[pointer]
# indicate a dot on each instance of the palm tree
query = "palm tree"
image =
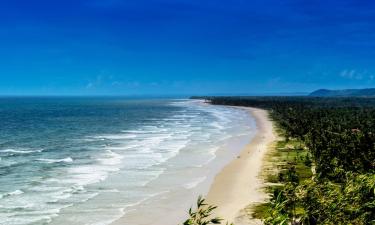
(202, 215)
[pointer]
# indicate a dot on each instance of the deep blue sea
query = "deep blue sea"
(92, 160)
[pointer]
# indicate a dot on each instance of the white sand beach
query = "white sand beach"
(238, 184)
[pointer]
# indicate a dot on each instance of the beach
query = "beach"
(232, 184)
(171, 207)
(238, 184)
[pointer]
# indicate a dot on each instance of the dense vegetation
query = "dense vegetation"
(344, 92)
(338, 135)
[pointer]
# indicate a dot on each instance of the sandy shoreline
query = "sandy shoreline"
(238, 184)
(232, 187)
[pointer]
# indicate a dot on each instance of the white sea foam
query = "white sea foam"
(115, 136)
(122, 147)
(16, 192)
(44, 188)
(89, 174)
(86, 174)
(20, 150)
(111, 158)
(64, 160)
(144, 131)
(184, 116)
(194, 183)
(217, 125)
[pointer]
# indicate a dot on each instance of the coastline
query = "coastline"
(238, 184)
(176, 201)
(233, 185)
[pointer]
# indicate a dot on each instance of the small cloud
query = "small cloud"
(347, 73)
(352, 74)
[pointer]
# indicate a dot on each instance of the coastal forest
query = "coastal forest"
(328, 154)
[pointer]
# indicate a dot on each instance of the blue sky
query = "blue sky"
(143, 47)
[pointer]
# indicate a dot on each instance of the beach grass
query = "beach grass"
(282, 155)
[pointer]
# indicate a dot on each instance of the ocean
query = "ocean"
(95, 160)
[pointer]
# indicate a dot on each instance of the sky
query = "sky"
(183, 47)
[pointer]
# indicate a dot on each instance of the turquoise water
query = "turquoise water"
(86, 160)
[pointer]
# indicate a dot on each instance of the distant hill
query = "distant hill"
(368, 92)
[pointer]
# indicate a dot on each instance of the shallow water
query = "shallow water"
(93, 160)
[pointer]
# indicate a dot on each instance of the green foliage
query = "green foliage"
(339, 132)
(291, 175)
(202, 215)
(351, 202)
(278, 214)
(261, 210)
(339, 135)
(307, 161)
(313, 202)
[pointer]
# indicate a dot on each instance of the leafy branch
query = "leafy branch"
(203, 214)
